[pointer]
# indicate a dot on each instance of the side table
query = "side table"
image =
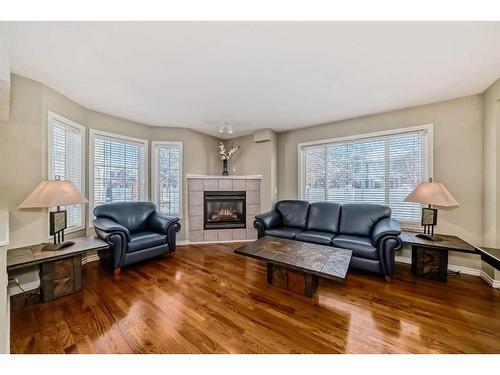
(429, 259)
(60, 270)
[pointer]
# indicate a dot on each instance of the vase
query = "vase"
(224, 168)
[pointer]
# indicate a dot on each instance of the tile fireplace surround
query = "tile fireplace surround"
(198, 184)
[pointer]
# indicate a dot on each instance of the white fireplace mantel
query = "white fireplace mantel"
(231, 177)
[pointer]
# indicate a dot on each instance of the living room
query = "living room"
(249, 187)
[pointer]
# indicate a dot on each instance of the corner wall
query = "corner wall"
(458, 158)
(23, 151)
(258, 158)
(491, 163)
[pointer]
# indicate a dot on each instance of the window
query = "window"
(167, 176)
(66, 150)
(378, 168)
(118, 168)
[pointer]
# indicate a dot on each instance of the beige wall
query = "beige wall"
(23, 150)
(457, 158)
(491, 163)
(22, 160)
(258, 158)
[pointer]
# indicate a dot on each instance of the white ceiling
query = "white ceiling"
(254, 75)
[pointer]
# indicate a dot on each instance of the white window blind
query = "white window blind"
(376, 169)
(118, 169)
(66, 160)
(167, 159)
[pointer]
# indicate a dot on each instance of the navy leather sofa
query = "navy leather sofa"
(366, 229)
(136, 231)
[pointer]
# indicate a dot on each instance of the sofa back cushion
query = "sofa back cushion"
(324, 217)
(358, 219)
(132, 215)
(293, 213)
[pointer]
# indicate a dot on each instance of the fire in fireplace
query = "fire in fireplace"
(224, 209)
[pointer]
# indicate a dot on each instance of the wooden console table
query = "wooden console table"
(61, 270)
(429, 259)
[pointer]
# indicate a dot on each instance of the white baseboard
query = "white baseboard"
(402, 259)
(90, 258)
(489, 280)
(465, 270)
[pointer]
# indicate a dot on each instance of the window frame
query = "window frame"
(92, 134)
(429, 140)
(154, 173)
(51, 116)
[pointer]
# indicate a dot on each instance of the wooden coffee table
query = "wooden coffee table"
(297, 266)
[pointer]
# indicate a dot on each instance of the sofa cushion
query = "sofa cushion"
(324, 217)
(361, 246)
(314, 236)
(132, 215)
(283, 232)
(144, 240)
(293, 213)
(359, 219)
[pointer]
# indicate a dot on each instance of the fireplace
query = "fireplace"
(224, 209)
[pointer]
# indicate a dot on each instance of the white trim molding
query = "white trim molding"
(465, 270)
(154, 172)
(428, 146)
(144, 142)
(51, 116)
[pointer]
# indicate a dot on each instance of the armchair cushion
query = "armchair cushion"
(293, 213)
(283, 232)
(145, 240)
(361, 246)
(385, 227)
(314, 236)
(132, 215)
(110, 226)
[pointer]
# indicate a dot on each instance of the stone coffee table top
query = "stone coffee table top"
(324, 261)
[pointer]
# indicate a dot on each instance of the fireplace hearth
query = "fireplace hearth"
(224, 209)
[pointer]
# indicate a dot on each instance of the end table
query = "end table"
(429, 259)
(60, 270)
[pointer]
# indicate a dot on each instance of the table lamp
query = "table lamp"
(55, 193)
(432, 194)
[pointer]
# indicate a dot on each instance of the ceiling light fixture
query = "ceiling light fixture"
(226, 128)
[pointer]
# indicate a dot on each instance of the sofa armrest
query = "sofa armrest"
(271, 219)
(107, 227)
(268, 220)
(160, 223)
(385, 227)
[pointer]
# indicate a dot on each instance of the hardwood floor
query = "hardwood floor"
(205, 299)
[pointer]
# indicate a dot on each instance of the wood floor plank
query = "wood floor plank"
(206, 299)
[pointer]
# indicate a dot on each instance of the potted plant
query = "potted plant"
(225, 155)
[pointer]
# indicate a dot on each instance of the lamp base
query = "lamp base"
(429, 237)
(57, 246)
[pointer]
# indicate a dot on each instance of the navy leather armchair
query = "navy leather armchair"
(136, 232)
(366, 229)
